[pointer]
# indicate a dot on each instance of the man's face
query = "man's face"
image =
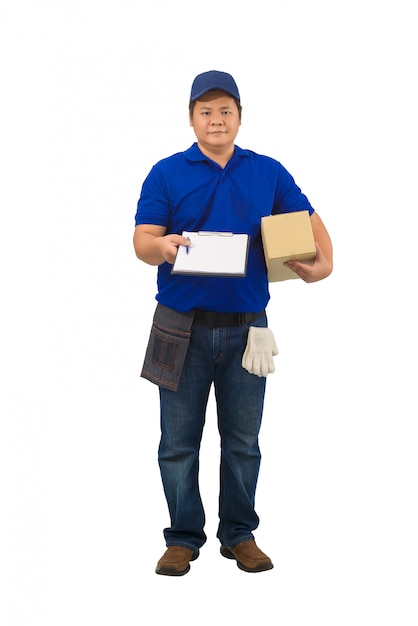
(215, 120)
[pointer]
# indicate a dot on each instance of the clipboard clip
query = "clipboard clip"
(209, 233)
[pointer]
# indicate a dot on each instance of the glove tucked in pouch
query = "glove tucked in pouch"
(259, 352)
(167, 347)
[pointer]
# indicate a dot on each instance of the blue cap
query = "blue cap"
(214, 80)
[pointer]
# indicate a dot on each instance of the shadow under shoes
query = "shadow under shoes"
(176, 561)
(248, 556)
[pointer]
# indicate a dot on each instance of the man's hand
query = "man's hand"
(321, 267)
(153, 246)
(168, 246)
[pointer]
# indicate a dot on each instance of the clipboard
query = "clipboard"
(212, 253)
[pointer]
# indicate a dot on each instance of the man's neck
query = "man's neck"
(220, 157)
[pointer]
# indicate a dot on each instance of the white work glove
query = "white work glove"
(259, 352)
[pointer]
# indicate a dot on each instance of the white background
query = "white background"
(93, 94)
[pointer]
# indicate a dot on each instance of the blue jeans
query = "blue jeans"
(214, 357)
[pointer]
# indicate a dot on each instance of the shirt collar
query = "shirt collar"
(194, 153)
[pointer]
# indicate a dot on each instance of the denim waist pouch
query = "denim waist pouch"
(167, 347)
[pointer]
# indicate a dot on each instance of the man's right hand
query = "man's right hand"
(154, 247)
(169, 244)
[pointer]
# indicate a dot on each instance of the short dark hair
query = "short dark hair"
(192, 105)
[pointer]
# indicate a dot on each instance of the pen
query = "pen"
(187, 247)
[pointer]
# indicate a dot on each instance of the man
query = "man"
(212, 330)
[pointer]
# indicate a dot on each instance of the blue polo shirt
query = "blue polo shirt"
(189, 191)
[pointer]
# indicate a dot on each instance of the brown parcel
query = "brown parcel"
(287, 236)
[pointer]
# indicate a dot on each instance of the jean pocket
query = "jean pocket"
(260, 322)
(167, 348)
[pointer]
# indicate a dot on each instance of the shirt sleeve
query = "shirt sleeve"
(289, 196)
(153, 204)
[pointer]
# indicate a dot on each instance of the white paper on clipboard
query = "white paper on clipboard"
(213, 253)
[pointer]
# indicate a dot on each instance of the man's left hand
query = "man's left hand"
(321, 267)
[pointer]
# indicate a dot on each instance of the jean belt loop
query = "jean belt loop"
(210, 319)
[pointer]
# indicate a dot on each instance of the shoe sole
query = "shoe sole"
(262, 567)
(172, 571)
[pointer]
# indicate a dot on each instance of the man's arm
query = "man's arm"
(323, 264)
(154, 247)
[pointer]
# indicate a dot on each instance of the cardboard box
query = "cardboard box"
(287, 236)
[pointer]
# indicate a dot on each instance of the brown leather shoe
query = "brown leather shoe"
(176, 561)
(248, 556)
